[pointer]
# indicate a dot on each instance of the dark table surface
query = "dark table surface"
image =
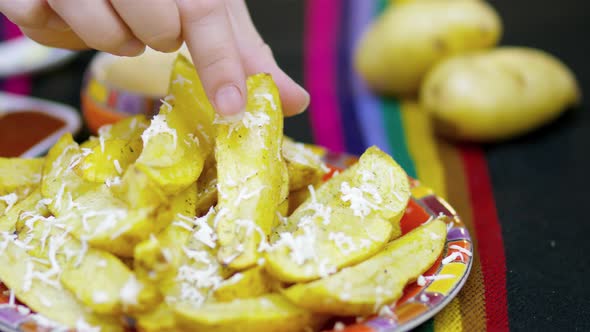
(540, 181)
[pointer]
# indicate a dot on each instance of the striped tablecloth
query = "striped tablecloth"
(346, 117)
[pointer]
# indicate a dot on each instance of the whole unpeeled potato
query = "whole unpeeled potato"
(494, 95)
(408, 38)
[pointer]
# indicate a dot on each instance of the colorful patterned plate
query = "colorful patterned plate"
(418, 303)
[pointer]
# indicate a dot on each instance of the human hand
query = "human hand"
(219, 34)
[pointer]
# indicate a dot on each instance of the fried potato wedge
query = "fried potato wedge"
(305, 166)
(349, 218)
(91, 211)
(109, 159)
(251, 174)
(114, 288)
(21, 274)
(269, 313)
(247, 284)
(18, 173)
(296, 198)
(29, 204)
(380, 280)
(159, 256)
(127, 129)
(161, 319)
(207, 190)
(179, 139)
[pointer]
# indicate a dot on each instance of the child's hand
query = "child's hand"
(220, 36)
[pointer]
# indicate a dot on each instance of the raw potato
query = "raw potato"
(496, 95)
(378, 281)
(408, 39)
(349, 218)
(251, 174)
(269, 313)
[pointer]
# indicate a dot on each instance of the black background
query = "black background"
(540, 181)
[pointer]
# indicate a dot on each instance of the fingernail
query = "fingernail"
(228, 100)
(57, 24)
(132, 48)
(305, 104)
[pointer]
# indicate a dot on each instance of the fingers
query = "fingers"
(257, 57)
(34, 14)
(155, 22)
(208, 34)
(97, 23)
(61, 39)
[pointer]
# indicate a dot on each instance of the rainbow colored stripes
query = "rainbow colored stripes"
(347, 117)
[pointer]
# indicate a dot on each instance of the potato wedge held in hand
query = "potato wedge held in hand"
(179, 138)
(251, 174)
(496, 95)
(269, 313)
(18, 173)
(380, 280)
(349, 218)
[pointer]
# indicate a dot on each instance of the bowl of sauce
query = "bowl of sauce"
(116, 87)
(30, 126)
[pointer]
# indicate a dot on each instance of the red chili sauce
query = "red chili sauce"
(19, 131)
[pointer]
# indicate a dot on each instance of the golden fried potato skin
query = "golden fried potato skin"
(408, 39)
(498, 94)
(251, 173)
(332, 229)
(271, 313)
(354, 290)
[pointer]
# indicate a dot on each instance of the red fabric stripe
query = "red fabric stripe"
(489, 235)
(322, 19)
(20, 84)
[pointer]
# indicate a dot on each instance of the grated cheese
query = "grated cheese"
(269, 98)
(181, 80)
(461, 249)
(10, 200)
(301, 246)
(130, 291)
(197, 255)
(104, 133)
(386, 312)
(99, 297)
(421, 281)
(344, 242)
(360, 205)
(118, 166)
(82, 325)
(158, 126)
(322, 211)
(450, 258)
